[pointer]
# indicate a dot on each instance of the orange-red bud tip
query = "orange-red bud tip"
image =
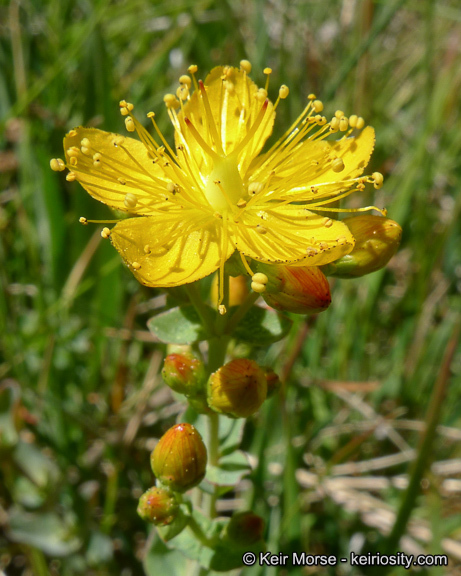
(298, 289)
(158, 506)
(273, 381)
(179, 459)
(237, 389)
(184, 373)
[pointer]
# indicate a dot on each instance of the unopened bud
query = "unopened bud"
(376, 241)
(179, 459)
(158, 506)
(298, 289)
(184, 373)
(245, 528)
(273, 381)
(237, 389)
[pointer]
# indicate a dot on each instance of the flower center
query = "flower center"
(224, 186)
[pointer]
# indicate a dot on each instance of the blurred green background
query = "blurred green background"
(81, 400)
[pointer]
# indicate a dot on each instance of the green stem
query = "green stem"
(202, 309)
(424, 450)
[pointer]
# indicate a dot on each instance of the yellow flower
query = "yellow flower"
(216, 192)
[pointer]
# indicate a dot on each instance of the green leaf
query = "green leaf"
(163, 560)
(232, 468)
(47, 532)
(9, 401)
(230, 434)
(262, 326)
(180, 325)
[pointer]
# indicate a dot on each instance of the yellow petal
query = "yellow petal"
(309, 166)
(116, 170)
(233, 111)
(291, 235)
(170, 251)
(355, 153)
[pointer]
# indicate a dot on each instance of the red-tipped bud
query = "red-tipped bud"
(237, 389)
(273, 381)
(179, 459)
(158, 506)
(184, 374)
(245, 528)
(376, 241)
(298, 289)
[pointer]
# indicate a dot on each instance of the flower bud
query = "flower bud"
(376, 241)
(179, 459)
(273, 381)
(184, 373)
(298, 289)
(158, 506)
(237, 389)
(245, 528)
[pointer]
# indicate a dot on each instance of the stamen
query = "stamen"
(105, 233)
(210, 120)
(245, 264)
(57, 165)
(258, 282)
(252, 130)
(200, 141)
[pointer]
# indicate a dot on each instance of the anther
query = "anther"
(85, 143)
(171, 187)
(182, 92)
(136, 265)
(341, 240)
(317, 105)
(105, 233)
(118, 140)
(245, 65)
(229, 86)
(192, 69)
(323, 245)
(353, 120)
(129, 124)
(377, 180)
(73, 161)
(72, 133)
(267, 71)
(171, 101)
(283, 91)
(311, 251)
(343, 124)
(186, 80)
(337, 165)
(261, 95)
(57, 165)
(327, 222)
(260, 229)
(73, 152)
(360, 123)
(255, 188)
(334, 124)
(121, 181)
(83, 220)
(339, 114)
(311, 97)
(130, 200)
(222, 309)
(147, 249)
(71, 177)
(241, 203)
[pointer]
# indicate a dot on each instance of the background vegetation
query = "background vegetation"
(81, 400)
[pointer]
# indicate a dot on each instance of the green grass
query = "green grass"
(80, 397)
